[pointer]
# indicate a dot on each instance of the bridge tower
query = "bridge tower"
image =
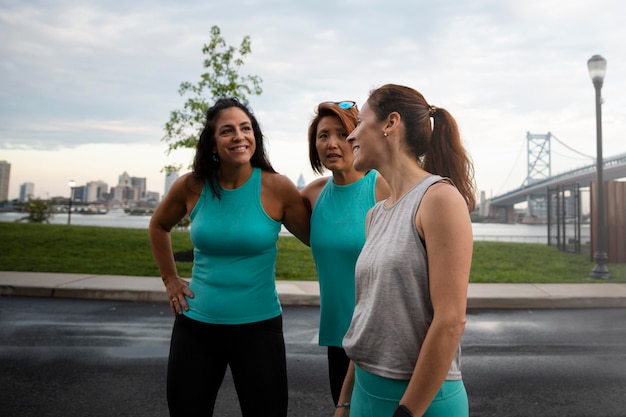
(539, 160)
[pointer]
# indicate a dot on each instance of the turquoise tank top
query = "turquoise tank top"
(233, 276)
(337, 236)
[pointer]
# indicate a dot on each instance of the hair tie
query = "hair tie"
(432, 111)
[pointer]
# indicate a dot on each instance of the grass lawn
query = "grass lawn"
(119, 251)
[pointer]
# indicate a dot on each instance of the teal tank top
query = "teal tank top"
(233, 276)
(337, 236)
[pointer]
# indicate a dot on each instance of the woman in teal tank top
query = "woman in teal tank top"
(339, 204)
(229, 315)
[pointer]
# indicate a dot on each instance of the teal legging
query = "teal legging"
(375, 396)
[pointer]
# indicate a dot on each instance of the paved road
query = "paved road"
(71, 357)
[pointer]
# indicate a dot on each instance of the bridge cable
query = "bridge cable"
(571, 149)
(519, 153)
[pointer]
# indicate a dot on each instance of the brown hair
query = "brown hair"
(348, 118)
(436, 147)
(205, 167)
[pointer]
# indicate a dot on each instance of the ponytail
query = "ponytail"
(439, 147)
(447, 157)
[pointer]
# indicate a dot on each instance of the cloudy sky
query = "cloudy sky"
(87, 85)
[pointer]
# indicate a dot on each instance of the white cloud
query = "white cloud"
(102, 76)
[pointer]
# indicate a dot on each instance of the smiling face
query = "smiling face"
(234, 137)
(366, 140)
(330, 142)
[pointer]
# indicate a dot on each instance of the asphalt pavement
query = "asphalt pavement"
(480, 296)
(63, 357)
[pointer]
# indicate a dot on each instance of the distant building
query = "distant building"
(170, 177)
(140, 185)
(483, 206)
(129, 188)
(79, 193)
(95, 191)
(152, 196)
(5, 174)
(301, 182)
(27, 191)
(124, 180)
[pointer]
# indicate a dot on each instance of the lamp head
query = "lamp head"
(597, 69)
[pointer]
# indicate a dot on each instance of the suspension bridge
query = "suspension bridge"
(539, 179)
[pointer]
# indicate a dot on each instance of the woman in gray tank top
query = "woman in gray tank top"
(413, 272)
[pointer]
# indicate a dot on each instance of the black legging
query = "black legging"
(338, 363)
(200, 353)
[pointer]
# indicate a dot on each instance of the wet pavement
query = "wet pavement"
(77, 357)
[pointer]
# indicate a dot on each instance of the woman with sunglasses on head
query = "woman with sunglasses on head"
(339, 204)
(229, 315)
(413, 272)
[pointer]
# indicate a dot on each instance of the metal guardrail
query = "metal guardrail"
(511, 238)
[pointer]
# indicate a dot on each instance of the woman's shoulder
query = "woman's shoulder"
(187, 183)
(316, 185)
(442, 194)
(276, 182)
(312, 190)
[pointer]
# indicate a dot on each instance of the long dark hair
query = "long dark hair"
(347, 117)
(436, 147)
(205, 166)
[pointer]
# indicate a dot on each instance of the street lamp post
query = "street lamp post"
(72, 184)
(597, 69)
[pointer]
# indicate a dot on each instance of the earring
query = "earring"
(216, 158)
(385, 134)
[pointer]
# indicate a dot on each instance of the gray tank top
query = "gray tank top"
(393, 309)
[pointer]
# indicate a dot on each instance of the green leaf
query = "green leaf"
(221, 78)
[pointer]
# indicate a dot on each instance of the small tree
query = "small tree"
(183, 224)
(221, 79)
(39, 211)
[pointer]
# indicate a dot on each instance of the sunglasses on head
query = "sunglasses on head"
(346, 104)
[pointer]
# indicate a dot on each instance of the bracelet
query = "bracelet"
(343, 405)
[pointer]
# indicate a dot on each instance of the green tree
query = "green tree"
(221, 79)
(39, 211)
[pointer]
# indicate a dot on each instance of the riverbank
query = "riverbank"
(491, 232)
(117, 251)
(113, 218)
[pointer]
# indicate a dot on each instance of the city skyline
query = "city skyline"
(168, 179)
(27, 189)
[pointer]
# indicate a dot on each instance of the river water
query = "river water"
(525, 233)
(114, 218)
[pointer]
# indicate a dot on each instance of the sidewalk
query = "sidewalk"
(487, 296)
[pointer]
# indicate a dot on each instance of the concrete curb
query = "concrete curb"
(150, 289)
(535, 296)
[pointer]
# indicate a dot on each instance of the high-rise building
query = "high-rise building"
(170, 177)
(129, 188)
(301, 183)
(79, 193)
(27, 191)
(123, 180)
(95, 191)
(5, 174)
(140, 185)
